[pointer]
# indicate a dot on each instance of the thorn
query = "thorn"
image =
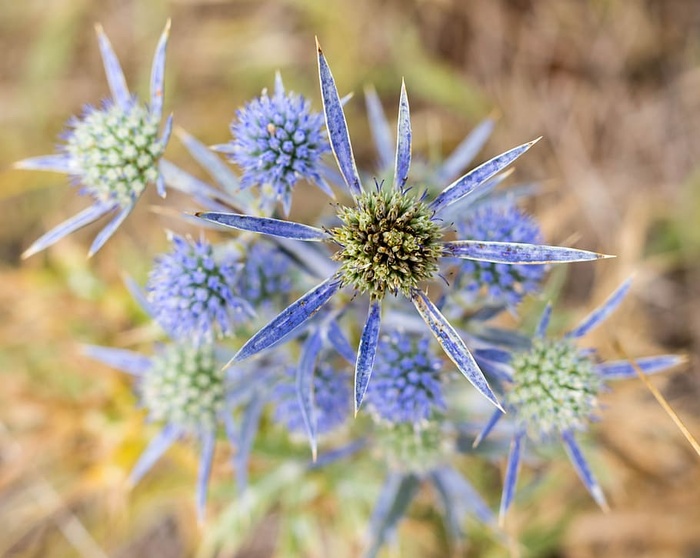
(166, 30)
(99, 29)
(318, 45)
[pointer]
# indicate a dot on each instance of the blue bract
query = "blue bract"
(389, 242)
(113, 152)
(278, 140)
(502, 283)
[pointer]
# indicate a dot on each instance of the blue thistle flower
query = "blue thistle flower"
(406, 384)
(390, 241)
(554, 392)
(503, 283)
(278, 140)
(265, 277)
(113, 152)
(192, 294)
(331, 392)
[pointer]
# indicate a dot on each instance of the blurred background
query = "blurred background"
(612, 86)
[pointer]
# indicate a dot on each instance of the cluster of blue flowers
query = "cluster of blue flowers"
(376, 255)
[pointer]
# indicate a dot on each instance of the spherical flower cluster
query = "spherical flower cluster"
(331, 389)
(388, 241)
(185, 387)
(265, 276)
(407, 447)
(192, 295)
(555, 387)
(405, 383)
(503, 283)
(115, 151)
(278, 140)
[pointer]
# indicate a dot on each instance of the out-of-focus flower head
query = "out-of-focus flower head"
(112, 153)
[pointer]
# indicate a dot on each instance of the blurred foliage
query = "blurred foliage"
(611, 84)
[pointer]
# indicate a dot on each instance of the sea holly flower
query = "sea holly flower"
(112, 152)
(554, 393)
(502, 283)
(278, 140)
(389, 242)
(266, 276)
(184, 387)
(192, 293)
(331, 390)
(406, 384)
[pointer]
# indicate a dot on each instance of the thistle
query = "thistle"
(501, 283)
(278, 140)
(554, 392)
(407, 387)
(390, 242)
(112, 152)
(192, 294)
(183, 387)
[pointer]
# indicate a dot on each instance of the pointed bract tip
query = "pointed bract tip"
(599, 497)
(318, 45)
(501, 520)
(604, 256)
(166, 29)
(99, 29)
(495, 114)
(314, 454)
(476, 442)
(533, 142)
(28, 253)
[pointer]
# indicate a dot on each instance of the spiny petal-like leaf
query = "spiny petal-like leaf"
(156, 448)
(305, 387)
(517, 253)
(206, 457)
(403, 141)
(337, 126)
(583, 469)
(475, 178)
(265, 225)
(465, 152)
(620, 369)
(216, 168)
(367, 352)
(397, 493)
(380, 129)
(51, 163)
(340, 342)
(158, 73)
(290, 318)
(82, 219)
(493, 420)
(452, 344)
(544, 321)
(184, 182)
(105, 234)
(250, 422)
(600, 314)
(113, 70)
(127, 361)
(512, 470)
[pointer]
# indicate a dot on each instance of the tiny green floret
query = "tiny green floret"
(185, 387)
(388, 242)
(555, 387)
(116, 151)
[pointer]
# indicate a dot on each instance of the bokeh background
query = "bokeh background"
(612, 85)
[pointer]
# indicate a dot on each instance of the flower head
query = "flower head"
(278, 140)
(390, 241)
(265, 277)
(113, 153)
(503, 283)
(554, 391)
(185, 387)
(192, 294)
(406, 385)
(331, 391)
